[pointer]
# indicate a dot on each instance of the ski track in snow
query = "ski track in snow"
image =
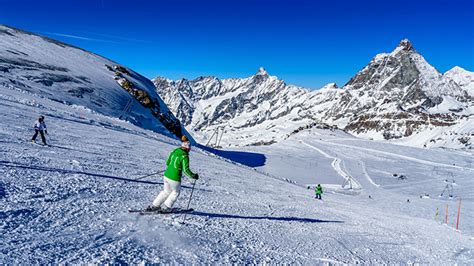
(336, 165)
(364, 170)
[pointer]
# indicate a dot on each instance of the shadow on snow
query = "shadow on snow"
(3, 194)
(246, 158)
(64, 171)
(71, 149)
(271, 218)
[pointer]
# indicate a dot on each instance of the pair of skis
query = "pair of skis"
(36, 143)
(172, 211)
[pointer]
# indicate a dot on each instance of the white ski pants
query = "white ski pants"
(169, 194)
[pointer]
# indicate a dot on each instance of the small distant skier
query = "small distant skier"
(177, 163)
(40, 127)
(318, 191)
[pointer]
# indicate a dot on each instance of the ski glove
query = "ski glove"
(46, 132)
(196, 176)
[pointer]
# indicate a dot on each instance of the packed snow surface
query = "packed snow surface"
(67, 203)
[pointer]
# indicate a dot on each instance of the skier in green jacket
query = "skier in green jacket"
(177, 163)
(318, 191)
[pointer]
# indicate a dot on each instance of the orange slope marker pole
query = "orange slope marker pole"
(459, 213)
(446, 219)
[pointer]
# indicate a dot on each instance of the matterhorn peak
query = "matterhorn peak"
(406, 45)
(261, 72)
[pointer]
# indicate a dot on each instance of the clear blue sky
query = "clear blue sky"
(307, 43)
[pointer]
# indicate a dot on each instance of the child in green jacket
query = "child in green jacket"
(318, 191)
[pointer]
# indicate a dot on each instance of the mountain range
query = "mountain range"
(397, 96)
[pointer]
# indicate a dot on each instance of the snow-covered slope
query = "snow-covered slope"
(57, 71)
(397, 95)
(67, 203)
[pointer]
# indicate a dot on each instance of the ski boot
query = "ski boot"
(153, 208)
(166, 210)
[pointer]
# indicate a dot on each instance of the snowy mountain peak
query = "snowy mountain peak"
(261, 72)
(458, 70)
(460, 75)
(463, 78)
(406, 45)
(330, 86)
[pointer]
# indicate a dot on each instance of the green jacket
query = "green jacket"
(178, 161)
(319, 190)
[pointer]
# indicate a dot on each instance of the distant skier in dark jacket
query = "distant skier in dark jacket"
(40, 127)
(318, 191)
(177, 163)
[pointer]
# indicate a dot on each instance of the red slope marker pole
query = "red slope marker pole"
(459, 213)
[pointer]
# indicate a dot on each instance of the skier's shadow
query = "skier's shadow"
(271, 218)
(3, 194)
(71, 149)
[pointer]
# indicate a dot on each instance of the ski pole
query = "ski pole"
(189, 202)
(141, 177)
(49, 138)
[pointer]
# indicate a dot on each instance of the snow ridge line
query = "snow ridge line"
(336, 164)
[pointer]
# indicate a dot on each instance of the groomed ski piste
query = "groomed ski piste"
(68, 202)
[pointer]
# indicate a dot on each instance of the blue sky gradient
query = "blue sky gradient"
(307, 43)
